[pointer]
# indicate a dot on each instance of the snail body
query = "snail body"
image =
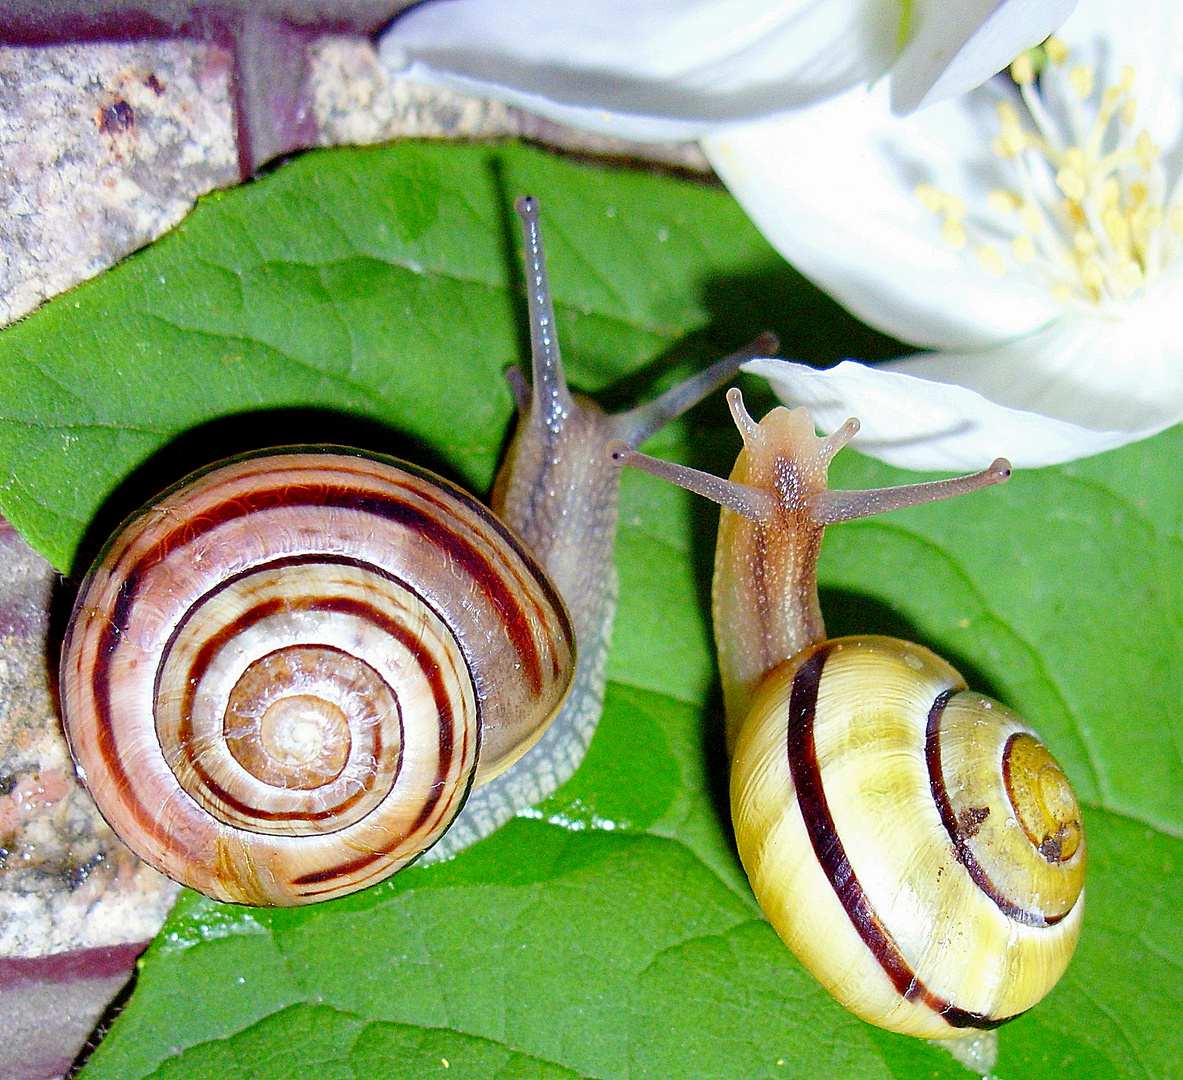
(913, 843)
(283, 679)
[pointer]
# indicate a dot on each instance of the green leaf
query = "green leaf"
(372, 297)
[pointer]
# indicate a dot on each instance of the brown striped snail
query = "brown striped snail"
(912, 842)
(281, 679)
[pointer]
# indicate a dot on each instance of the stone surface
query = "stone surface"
(76, 906)
(66, 882)
(48, 21)
(103, 148)
(355, 101)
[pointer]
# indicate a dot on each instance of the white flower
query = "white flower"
(676, 69)
(1031, 231)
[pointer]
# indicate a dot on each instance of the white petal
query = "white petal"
(833, 189)
(916, 424)
(646, 68)
(1119, 371)
(955, 47)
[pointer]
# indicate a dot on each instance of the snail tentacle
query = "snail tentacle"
(551, 401)
(636, 425)
(831, 507)
(741, 499)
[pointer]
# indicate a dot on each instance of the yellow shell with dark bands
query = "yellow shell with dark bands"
(912, 842)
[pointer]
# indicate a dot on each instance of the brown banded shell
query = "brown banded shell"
(281, 679)
(912, 842)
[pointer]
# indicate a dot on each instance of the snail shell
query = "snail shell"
(913, 843)
(279, 677)
(281, 681)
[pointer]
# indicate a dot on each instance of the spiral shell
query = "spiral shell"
(282, 678)
(912, 842)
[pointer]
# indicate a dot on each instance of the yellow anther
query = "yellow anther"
(1110, 193)
(1128, 277)
(1003, 201)
(1007, 114)
(931, 198)
(1109, 103)
(1081, 80)
(1023, 249)
(1117, 228)
(1136, 193)
(1057, 51)
(1061, 294)
(936, 201)
(1143, 222)
(1129, 112)
(1073, 213)
(1176, 220)
(1029, 218)
(1084, 243)
(1147, 217)
(1146, 149)
(953, 233)
(1127, 79)
(1012, 140)
(1071, 183)
(1092, 276)
(1023, 70)
(991, 261)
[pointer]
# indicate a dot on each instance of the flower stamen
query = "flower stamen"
(1088, 206)
(1057, 50)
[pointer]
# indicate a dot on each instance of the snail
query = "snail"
(913, 842)
(282, 678)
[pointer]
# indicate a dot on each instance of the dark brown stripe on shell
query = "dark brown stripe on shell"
(361, 500)
(827, 846)
(331, 876)
(344, 605)
(108, 644)
(958, 832)
(494, 523)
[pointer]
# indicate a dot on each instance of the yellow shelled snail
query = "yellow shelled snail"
(914, 843)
